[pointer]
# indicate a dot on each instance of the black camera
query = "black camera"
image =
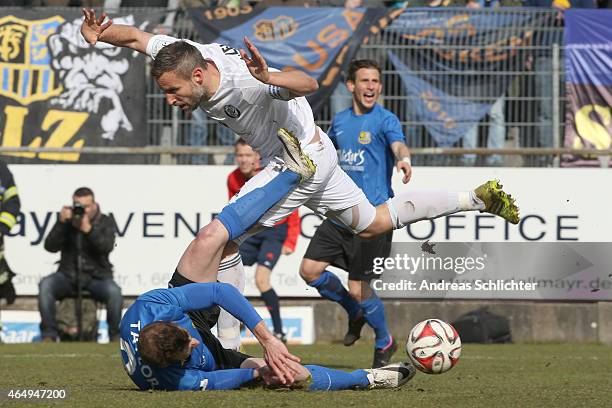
(77, 211)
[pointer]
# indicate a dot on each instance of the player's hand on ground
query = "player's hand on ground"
(405, 168)
(268, 377)
(284, 364)
(256, 63)
(92, 28)
(286, 250)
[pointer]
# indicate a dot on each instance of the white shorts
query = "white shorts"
(329, 190)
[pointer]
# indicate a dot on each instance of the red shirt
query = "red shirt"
(236, 180)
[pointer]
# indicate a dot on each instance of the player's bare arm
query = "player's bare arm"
(402, 155)
(284, 364)
(295, 81)
(94, 29)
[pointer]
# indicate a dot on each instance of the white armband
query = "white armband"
(407, 160)
(276, 92)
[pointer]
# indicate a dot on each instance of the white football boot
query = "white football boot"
(390, 376)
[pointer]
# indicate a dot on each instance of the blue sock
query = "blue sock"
(374, 312)
(330, 287)
(242, 214)
(327, 379)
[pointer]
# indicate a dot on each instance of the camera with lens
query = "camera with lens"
(77, 211)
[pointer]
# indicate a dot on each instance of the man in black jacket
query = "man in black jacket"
(9, 210)
(81, 229)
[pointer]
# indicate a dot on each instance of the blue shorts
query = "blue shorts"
(264, 248)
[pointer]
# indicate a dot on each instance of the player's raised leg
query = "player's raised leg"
(415, 205)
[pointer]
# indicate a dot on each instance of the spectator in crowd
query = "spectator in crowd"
(341, 98)
(264, 248)
(84, 237)
(497, 129)
(543, 69)
(496, 136)
(9, 210)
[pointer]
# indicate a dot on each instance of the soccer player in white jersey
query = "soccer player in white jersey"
(239, 91)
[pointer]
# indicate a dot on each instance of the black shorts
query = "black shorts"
(264, 248)
(202, 320)
(341, 248)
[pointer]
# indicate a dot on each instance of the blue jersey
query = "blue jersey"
(199, 372)
(364, 149)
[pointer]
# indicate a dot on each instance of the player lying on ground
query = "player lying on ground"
(161, 349)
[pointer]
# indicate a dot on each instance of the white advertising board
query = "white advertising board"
(158, 209)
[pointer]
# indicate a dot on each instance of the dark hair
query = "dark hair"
(356, 65)
(83, 192)
(178, 56)
(162, 343)
(240, 142)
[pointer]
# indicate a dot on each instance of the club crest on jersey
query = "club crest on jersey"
(365, 137)
(231, 111)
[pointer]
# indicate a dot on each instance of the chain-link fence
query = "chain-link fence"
(522, 93)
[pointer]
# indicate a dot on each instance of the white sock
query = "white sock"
(468, 201)
(231, 271)
(416, 205)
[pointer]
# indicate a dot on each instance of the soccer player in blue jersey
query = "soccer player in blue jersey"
(370, 144)
(162, 349)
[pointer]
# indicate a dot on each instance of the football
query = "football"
(433, 346)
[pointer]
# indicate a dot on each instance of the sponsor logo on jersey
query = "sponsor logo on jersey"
(354, 160)
(365, 138)
(231, 111)
(282, 27)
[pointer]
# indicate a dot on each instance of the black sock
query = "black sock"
(203, 319)
(271, 300)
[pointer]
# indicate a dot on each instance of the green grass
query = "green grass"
(520, 375)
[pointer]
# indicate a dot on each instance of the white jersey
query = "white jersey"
(244, 104)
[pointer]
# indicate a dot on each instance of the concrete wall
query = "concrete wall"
(529, 321)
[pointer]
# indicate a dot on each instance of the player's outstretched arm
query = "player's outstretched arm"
(296, 82)
(94, 29)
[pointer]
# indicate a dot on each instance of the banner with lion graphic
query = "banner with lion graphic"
(58, 91)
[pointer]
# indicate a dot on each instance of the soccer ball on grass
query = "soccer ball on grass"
(433, 346)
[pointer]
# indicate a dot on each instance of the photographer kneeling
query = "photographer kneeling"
(80, 230)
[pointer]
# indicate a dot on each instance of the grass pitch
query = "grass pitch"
(518, 375)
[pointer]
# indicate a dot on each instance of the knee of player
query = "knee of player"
(309, 272)
(355, 293)
(213, 232)
(379, 225)
(262, 282)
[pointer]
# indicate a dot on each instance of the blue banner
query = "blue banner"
(588, 64)
(320, 41)
(450, 63)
